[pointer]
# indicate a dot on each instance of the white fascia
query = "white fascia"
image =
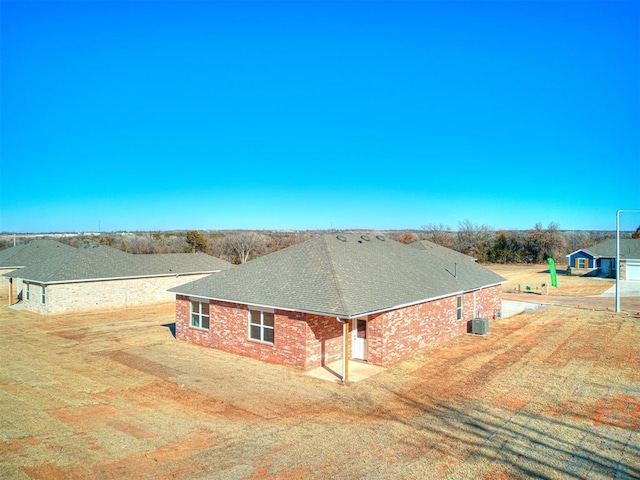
(105, 279)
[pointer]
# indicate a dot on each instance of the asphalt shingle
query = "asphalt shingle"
(629, 248)
(102, 262)
(345, 275)
(32, 253)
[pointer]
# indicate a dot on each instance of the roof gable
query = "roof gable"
(344, 275)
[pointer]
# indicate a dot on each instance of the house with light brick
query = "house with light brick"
(48, 277)
(360, 297)
(25, 255)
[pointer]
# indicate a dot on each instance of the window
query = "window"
(261, 326)
(27, 291)
(200, 314)
(44, 295)
(459, 307)
(581, 263)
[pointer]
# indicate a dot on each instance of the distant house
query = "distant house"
(302, 306)
(97, 277)
(601, 258)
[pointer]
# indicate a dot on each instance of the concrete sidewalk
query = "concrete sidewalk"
(514, 307)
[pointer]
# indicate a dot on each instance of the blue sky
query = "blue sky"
(143, 115)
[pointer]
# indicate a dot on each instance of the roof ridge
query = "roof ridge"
(334, 275)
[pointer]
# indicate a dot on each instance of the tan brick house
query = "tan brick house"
(67, 279)
(25, 255)
(304, 306)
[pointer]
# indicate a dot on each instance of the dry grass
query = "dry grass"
(551, 394)
(535, 275)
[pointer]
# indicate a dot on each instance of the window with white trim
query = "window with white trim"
(261, 326)
(44, 295)
(459, 307)
(582, 263)
(27, 292)
(200, 314)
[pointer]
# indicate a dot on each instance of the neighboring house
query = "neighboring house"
(602, 258)
(99, 277)
(302, 306)
(29, 254)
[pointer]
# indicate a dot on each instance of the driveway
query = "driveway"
(628, 288)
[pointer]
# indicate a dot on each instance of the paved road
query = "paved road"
(513, 303)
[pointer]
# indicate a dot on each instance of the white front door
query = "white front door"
(359, 338)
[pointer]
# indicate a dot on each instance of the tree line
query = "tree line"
(239, 246)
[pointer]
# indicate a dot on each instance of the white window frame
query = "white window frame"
(27, 292)
(459, 304)
(43, 296)
(582, 261)
(262, 327)
(199, 315)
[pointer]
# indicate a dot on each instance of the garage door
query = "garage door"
(633, 270)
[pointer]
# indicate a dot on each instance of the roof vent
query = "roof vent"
(365, 237)
(342, 238)
(380, 237)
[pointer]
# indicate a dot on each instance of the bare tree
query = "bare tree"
(241, 247)
(475, 240)
(544, 243)
(440, 234)
(406, 238)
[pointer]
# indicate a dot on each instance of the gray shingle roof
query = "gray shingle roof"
(34, 252)
(344, 278)
(629, 249)
(101, 262)
(166, 263)
(445, 252)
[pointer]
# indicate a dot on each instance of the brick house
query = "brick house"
(25, 255)
(378, 300)
(67, 279)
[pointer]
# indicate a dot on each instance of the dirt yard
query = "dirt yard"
(549, 394)
(535, 275)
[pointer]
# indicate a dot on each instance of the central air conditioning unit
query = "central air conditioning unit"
(480, 326)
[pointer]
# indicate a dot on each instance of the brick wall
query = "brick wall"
(324, 340)
(229, 331)
(85, 296)
(306, 341)
(398, 334)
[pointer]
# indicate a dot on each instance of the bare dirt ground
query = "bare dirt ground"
(535, 275)
(549, 394)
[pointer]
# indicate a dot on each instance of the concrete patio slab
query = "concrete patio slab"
(333, 371)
